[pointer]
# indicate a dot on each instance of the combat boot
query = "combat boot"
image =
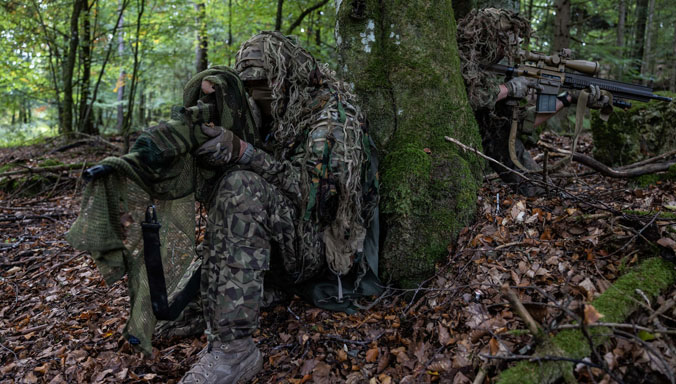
(233, 362)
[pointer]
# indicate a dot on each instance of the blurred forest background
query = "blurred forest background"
(91, 67)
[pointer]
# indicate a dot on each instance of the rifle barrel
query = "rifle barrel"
(581, 81)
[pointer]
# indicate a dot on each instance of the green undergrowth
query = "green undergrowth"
(653, 178)
(652, 276)
(662, 215)
(644, 130)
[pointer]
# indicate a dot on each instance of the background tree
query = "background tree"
(403, 60)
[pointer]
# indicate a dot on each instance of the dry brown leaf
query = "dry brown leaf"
(42, 369)
(372, 355)
(591, 315)
(494, 346)
(342, 355)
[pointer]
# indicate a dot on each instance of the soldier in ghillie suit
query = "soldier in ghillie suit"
(486, 37)
(301, 198)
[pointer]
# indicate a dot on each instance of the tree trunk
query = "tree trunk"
(128, 119)
(641, 17)
(561, 25)
(230, 31)
(201, 59)
(672, 85)
(278, 19)
(619, 42)
(123, 75)
(142, 106)
(403, 61)
(512, 5)
(86, 123)
(68, 66)
(647, 47)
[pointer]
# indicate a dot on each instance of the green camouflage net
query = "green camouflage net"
(109, 226)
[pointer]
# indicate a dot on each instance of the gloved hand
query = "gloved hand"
(596, 99)
(519, 86)
(222, 149)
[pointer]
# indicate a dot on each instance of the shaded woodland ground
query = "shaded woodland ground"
(60, 323)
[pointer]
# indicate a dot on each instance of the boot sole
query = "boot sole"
(255, 367)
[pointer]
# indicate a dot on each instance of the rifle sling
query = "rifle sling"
(159, 298)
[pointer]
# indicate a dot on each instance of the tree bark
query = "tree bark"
(230, 31)
(278, 19)
(512, 5)
(672, 85)
(647, 47)
(561, 25)
(641, 17)
(68, 68)
(126, 129)
(619, 42)
(403, 60)
(201, 59)
(121, 80)
(86, 123)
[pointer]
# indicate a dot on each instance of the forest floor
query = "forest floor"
(60, 323)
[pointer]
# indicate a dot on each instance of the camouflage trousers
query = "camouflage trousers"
(249, 221)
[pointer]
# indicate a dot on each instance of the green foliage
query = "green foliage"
(32, 55)
(644, 130)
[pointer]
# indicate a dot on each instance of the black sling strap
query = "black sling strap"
(159, 297)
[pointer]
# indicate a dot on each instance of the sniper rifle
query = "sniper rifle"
(560, 71)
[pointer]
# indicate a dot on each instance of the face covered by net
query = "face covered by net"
(280, 76)
(486, 36)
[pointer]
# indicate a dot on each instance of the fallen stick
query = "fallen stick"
(610, 172)
(55, 168)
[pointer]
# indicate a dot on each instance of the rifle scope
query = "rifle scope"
(582, 66)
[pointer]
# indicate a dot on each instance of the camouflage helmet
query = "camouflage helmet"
(250, 63)
(272, 55)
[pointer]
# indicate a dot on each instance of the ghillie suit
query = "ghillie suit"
(486, 37)
(316, 126)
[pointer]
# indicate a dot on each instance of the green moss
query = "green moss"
(662, 215)
(644, 130)
(616, 303)
(49, 163)
(410, 87)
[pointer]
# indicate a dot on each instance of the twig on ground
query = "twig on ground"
(58, 265)
(348, 341)
(618, 325)
(523, 313)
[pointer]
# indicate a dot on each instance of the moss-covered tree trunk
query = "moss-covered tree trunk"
(402, 58)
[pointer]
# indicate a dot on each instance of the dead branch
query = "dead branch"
(627, 172)
(648, 161)
(618, 325)
(55, 168)
(523, 313)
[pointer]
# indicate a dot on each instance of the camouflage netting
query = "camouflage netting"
(109, 226)
(160, 171)
(485, 37)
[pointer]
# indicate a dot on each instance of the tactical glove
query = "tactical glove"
(519, 86)
(596, 99)
(221, 149)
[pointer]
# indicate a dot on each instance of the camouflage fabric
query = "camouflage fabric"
(159, 170)
(248, 218)
(485, 37)
(316, 126)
